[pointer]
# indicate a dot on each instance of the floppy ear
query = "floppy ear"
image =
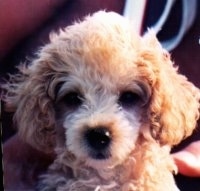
(34, 113)
(174, 107)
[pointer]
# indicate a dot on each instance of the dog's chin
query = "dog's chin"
(102, 161)
(100, 164)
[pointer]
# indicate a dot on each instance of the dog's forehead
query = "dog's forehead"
(98, 48)
(108, 47)
(94, 67)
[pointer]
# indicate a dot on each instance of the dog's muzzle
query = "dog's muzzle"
(98, 141)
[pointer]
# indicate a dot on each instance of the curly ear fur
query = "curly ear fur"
(34, 112)
(174, 107)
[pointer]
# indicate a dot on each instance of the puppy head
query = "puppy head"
(97, 86)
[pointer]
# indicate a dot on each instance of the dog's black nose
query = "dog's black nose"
(98, 138)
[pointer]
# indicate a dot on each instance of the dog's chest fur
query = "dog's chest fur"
(135, 174)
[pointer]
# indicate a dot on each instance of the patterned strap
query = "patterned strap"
(134, 10)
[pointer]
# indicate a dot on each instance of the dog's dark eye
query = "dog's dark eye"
(129, 99)
(72, 100)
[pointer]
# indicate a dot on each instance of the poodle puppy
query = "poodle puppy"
(109, 103)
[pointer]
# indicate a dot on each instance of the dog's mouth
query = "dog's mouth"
(100, 155)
